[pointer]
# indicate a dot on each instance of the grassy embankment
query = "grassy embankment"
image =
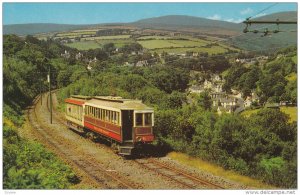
(289, 110)
(218, 171)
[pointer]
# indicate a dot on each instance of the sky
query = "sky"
(96, 13)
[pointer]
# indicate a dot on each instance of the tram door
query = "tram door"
(127, 124)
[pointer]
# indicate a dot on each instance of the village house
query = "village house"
(79, 56)
(247, 102)
(250, 99)
(65, 55)
(227, 109)
(207, 84)
(195, 54)
(223, 103)
(142, 63)
(196, 89)
(218, 95)
(128, 64)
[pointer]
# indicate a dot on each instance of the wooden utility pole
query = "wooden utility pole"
(50, 96)
(41, 90)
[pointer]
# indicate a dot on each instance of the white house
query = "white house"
(196, 89)
(247, 102)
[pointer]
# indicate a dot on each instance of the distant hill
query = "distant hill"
(192, 24)
(35, 28)
(189, 23)
(251, 41)
(172, 22)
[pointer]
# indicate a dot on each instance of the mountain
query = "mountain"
(171, 22)
(188, 23)
(251, 41)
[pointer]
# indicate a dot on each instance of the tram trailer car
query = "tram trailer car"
(126, 122)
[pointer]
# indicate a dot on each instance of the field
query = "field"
(84, 45)
(212, 50)
(68, 34)
(158, 44)
(93, 44)
(107, 37)
(155, 37)
(291, 111)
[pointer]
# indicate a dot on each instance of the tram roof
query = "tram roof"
(117, 103)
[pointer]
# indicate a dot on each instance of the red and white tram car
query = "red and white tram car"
(124, 121)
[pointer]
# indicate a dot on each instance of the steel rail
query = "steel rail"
(93, 166)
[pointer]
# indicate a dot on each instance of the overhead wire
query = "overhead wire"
(262, 11)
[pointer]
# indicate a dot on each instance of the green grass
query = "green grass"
(212, 50)
(291, 77)
(248, 113)
(155, 44)
(217, 170)
(291, 111)
(155, 37)
(84, 45)
(108, 37)
(294, 58)
(118, 42)
(68, 34)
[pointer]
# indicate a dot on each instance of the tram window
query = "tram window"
(114, 118)
(139, 119)
(148, 119)
(109, 116)
(117, 118)
(106, 115)
(102, 114)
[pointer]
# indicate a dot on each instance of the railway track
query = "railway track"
(104, 178)
(185, 179)
(181, 177)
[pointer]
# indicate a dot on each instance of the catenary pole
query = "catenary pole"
(50, 95)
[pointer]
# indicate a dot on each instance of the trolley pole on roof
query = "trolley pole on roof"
(50, 96)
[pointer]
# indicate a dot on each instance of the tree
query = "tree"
(132, 47)
(109, 48)
(175, 100)
(204, 100)
(204, 127)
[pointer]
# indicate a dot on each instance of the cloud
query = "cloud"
(260, 15)
(215, 17)
(246, 11)
(239, 20)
